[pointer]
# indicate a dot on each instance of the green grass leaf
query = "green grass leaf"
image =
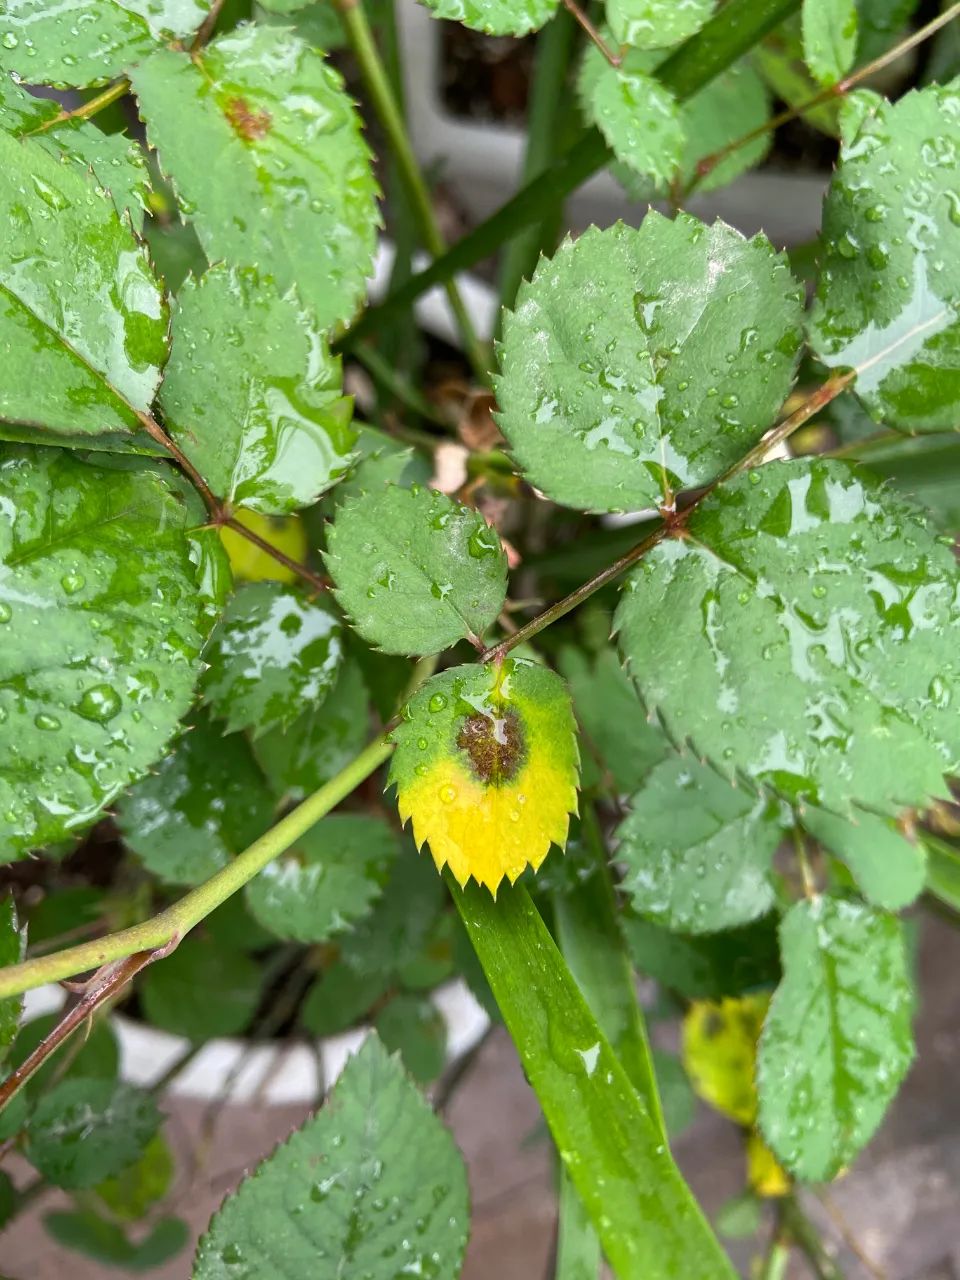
(102, 622)
(889, 869)
(656, 24)
(638, 363)
(801, 633)
(889, 289)
(200, 807)
(275, 653)
(496, 17)
(329, 879)
(201, 990)
(371, 1187)
(836, 1042)
(252, 394)
(84, 329)
(84, 1130)
(640, 118)
(13, 943)
(260, 104)
(696, 851)
(414, 571)
(829, 38)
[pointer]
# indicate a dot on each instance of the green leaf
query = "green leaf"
(656, 24)
(400, 923)
(486, 766)
(275, 652)
(131, 1194)
(89, 1234)
(829, 38)
(13, 944)
(779, 59)
(415, 572)
(804, 637)
(380, 462)
(339, 999)
(734, 104)
(881, 21)
(84, 1130)
(638, 363)
(86, 42)
(709, 966)
(411, 1026)
(740, 1217)
(697, 852)
(232, 927)
(889, 869)
(83, 332)
(496, 17)
(889, 290)
(927, 470)
(836, 1042)
(201, 991)
(640, 118)
(320, 742)
(328, 879)
(260, 104)
(611, 1147)
(102, 620)
(264, 422)
(612, 723)
(202, 805)
(318, 1206)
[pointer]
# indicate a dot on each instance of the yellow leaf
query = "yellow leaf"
(486, 767)
(720, 1053)
(287, 533)
(764, 1174)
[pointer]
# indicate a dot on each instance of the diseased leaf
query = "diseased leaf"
(316, 1206)
(202, 805)
(102, 620)
(131, 1194)
(83, 324)
(252, 394)
(837, 1042)
(829, 38)
(13, 944)
(260, 104)
(709, 966)
(496, 17)
(638, 363)
(414, 571)
(639, 117)
(656, 24)
(804, 637)
(84, 1130)
(720, 1052)
(697, 851)
(86, 42)
(327, 880)
(176, 994)
(889, 292)
(889, 869)
(765, 1175)
(486, 766)
(275, 653)
(413, 1027)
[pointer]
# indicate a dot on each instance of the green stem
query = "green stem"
(735, 29)
(776, 1260)
(388, 111)
(87, 109)
(807, 1238)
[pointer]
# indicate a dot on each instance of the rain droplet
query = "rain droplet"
(6, 613)
(437, 702)
(44, 721)
(72, 583)
(100, 703)
(448, 794)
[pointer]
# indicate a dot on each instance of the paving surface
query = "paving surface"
(901, 1203)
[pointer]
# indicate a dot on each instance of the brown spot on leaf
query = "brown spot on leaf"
(494, 745)
(249, 124)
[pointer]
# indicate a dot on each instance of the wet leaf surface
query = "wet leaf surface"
(640, 119)
(85, 1130)
(656, 24)
(830, 30)
(496, 17)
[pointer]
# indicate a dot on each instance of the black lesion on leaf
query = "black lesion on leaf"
(495, 745)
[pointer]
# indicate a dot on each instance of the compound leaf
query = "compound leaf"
(262, 106)
(486, 766)
(414, 571)
(252, 394)
(837, 1042)
(102, 621)
(889, 292)
(801, 632)
(641, 362)
(829, 30)
(317, 1206)
(84, 1130)
(497, 17)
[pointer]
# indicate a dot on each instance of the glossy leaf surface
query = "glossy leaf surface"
(486, 767)
(260, 104)
(837, 1041)
(102, 621)
(414, 571)
(275, 653)
(803, 636)
(889, 293)
(200, 807)
(697, 851)
(83, 42)
(84, 1130)
(656, 24)
(640, 118)
(889, 869)
(83, 324)
(496, 17)
(830, 29)
(327, 880)
(176, 995)
(252, 395)
(638, 363)
(371, 1186)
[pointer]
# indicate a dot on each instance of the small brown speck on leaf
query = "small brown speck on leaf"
(494, 745)
(249, 124)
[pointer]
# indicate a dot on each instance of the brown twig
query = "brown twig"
(579, 16)
(206, 29)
